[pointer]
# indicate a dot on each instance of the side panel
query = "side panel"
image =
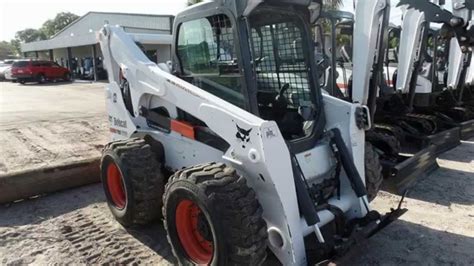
(341, 114)
(121, 125)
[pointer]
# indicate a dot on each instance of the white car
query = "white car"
(8, 74)
(7, 64)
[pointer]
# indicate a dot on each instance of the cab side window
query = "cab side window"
(208, 57)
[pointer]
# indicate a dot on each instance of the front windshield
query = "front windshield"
(281, 63)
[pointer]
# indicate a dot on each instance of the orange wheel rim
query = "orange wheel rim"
(194, 232)
(115, 186)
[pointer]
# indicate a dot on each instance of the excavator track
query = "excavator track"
(428, 123)
(415, 125)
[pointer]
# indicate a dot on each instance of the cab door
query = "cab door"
(56, 70)
(48, 70)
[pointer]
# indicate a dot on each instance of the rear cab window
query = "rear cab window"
(21, 64)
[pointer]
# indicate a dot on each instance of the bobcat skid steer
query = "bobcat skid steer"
(233, 143)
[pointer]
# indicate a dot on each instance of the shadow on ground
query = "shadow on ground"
(452, 182)
(445, 187)
(39, 209)
(405, 243)
(154, 237)
(46, 84)
(468, 153)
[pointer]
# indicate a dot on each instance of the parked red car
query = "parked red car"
(40, 71)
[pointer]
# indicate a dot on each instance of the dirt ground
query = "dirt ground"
(438, 228)
(50, 124)
(75, 226)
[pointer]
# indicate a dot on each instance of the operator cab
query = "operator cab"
(337, 51)
(210, 52)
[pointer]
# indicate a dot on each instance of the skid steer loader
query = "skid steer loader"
(233, 142)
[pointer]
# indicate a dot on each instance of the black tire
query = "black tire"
(67, 77)
(41, 79)
(22, 82)
(142, 180)
(385, 142)
(229, 210)
(373, 171)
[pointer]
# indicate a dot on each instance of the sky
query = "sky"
(17, 15)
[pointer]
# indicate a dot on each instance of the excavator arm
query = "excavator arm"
(369, 43)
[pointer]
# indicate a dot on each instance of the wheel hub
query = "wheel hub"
(194, 232)
(203, 227)
(115, 186)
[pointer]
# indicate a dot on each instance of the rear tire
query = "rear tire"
(212, 217)
(131, 174)
(41, 79)
(67, 77)
(373, 171)
(22, 82)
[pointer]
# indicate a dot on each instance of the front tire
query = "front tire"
(67, 77)
(131, 174)
(373, 171)
(212, 217)
(41, 79)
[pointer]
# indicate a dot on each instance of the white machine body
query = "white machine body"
(267, 154)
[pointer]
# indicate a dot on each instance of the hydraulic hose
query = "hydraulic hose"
(348, 165)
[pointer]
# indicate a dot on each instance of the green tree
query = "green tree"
(15, 44)
(6, 50)
(53, 26)
(30, 35)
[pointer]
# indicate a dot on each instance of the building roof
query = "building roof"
(83, 30)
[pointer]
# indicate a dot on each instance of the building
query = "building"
(76, 44)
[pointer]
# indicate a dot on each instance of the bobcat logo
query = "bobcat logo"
(243, 134)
